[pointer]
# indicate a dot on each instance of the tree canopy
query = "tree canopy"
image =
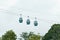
(9, 35)
(30, 36)
(53, 33)
(0, 38)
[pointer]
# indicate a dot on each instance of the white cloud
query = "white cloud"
(5, 4)
(45, 9)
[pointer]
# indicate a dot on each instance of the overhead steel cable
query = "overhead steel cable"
(44, 20)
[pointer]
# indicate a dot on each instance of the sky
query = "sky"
(46, 11)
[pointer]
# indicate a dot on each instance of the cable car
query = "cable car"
(28, 21)
(35, 22)
(20, 19)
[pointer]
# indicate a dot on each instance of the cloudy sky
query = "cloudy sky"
(46, 11)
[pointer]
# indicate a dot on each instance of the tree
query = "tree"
(53, 33)
(24, 35)
(30, 36)
(9, 35)
(34, 37)
(0, 38)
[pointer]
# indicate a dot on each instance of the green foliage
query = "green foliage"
(30, 36)
(34, 37)
(0, 38)
(24, 35)
(53, 33)
(9, 35)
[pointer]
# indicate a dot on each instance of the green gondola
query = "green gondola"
(28, 21)
(20, 20)
(35, 23)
